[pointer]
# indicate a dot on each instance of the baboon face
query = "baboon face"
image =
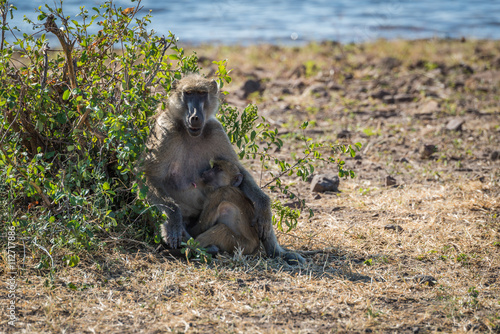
(223, 173)
(197, 99)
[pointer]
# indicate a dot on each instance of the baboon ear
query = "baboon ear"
(238, 178)
(174, 84)
(214, 86)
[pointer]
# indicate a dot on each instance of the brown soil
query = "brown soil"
(418, 256)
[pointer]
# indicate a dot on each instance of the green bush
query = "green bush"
(74, 124)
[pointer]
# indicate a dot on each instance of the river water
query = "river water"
(296, 22)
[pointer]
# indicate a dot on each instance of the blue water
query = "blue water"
(296, 22)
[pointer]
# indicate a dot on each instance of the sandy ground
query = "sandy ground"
(411, 245)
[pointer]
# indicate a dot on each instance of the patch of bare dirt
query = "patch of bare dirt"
(411, 245)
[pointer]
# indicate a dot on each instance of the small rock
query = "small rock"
(394, 227)
(389, 181)
(425, 279)
(427, 150)
(404, 160)
(318, 196)
(403, 98)
(318, 90)
(250, 86)
(344, 134)
(415, 329)
(380, 94)
(399, 98)
(298, 72)
(455, 124)
(429, 108)
(325, 182)
(495, 155)
(333, 86)
(388, 63)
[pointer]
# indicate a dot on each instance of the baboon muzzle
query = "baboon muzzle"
(195, 119)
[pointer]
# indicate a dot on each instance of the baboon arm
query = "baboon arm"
(208, 218)
(172, 230)
(261, 202)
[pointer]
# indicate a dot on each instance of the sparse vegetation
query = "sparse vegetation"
(437, 273)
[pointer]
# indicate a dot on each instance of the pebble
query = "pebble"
(325, 182)
(455, 124)
(495, 155)
(394, 227)
(425, 279)
(380, 94)
(389, 181)
(399, 98)
(250, 86)
(388, 63)
(429, 108)
(427, 150)
(344, 134)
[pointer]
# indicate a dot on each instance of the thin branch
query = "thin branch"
(166, 46)
(67, 46)
(4, 22)
(45, 64)
(286, 171)
(33, 184)
(45, 250)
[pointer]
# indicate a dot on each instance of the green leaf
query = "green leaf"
(66, 94)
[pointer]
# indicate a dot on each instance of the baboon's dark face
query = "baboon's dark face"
(195, 102)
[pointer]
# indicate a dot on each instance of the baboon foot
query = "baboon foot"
(293, 258)
(212, 249)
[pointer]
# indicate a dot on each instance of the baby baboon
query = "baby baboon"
(185, 137)
(226, 219)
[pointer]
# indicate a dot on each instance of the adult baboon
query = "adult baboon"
(225, 223)
(185, 137)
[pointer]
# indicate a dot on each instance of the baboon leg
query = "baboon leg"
(224, 239)
(208, 218)
(230, 232)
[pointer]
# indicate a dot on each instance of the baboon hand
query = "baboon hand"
(173, 235)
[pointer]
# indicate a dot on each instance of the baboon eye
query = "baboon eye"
(188, 92)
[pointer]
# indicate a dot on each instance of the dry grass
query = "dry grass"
(368, 278)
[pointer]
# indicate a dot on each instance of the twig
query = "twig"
(9, 113)
(166, 46)
(67, 46)
(33, 184)
(286, 171)
(37, 188)
(4, 22)
(45, 63)
(45, 250)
